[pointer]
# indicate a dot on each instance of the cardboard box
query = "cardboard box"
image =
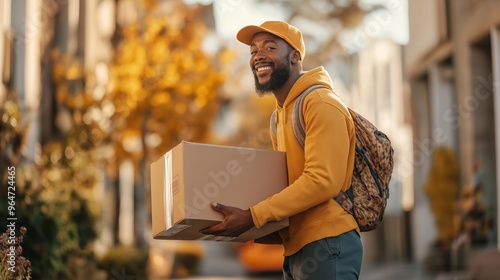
(189, 177)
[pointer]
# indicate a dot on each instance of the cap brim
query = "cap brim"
(245, 35)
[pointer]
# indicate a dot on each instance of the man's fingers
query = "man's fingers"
(231, 225)
(220, 228)
(217, 229)
(220, 208)
(215, 206)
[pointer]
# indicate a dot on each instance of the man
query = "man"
(322, 241)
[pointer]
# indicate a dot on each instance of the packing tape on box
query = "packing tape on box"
(169, 199)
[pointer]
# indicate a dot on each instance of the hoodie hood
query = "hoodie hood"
(316, 76)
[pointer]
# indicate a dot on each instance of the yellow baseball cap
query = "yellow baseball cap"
(281, 29)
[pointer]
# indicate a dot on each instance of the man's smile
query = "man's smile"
(262, 70)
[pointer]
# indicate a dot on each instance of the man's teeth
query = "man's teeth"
(260, 69)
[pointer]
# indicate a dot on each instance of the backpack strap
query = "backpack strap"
(298, 123)
(273, 125)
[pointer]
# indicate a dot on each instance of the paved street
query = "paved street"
(221, 263)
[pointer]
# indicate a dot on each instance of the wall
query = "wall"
(424, 31)
(445, 73)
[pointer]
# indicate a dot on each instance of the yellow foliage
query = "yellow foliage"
(163, 82)
(442, 190)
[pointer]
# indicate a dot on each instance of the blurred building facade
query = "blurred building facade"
(439, 90)
(452, 66)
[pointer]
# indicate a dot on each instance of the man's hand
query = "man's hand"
(236, 221)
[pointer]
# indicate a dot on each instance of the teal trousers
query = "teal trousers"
(332, 258)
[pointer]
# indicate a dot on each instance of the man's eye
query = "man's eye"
(253, 52)
(270, 48)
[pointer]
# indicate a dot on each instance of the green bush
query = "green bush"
(60, 224)
(53, 195)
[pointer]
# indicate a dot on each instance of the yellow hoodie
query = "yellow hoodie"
(316, 173)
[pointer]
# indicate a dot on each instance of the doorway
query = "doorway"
(480, 105)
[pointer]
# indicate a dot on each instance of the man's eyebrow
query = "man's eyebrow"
(265, 42)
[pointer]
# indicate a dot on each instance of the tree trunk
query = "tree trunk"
(115, 189)
(140, 211)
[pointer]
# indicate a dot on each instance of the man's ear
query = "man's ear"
(295, 56)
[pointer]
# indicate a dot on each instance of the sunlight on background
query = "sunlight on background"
(126, 233)
(232, 15)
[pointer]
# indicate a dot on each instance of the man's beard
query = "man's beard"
(277, 80)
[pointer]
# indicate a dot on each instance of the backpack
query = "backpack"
(367, 196)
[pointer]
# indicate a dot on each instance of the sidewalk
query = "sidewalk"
(394, 271)
(221, 263)
(407, 271)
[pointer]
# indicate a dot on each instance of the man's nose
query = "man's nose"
(259, 55)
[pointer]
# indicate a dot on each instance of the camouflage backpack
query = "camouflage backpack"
(367, 196)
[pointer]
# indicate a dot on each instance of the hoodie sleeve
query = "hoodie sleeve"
(329, 160)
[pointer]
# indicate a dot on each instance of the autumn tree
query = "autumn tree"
(164, 89)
